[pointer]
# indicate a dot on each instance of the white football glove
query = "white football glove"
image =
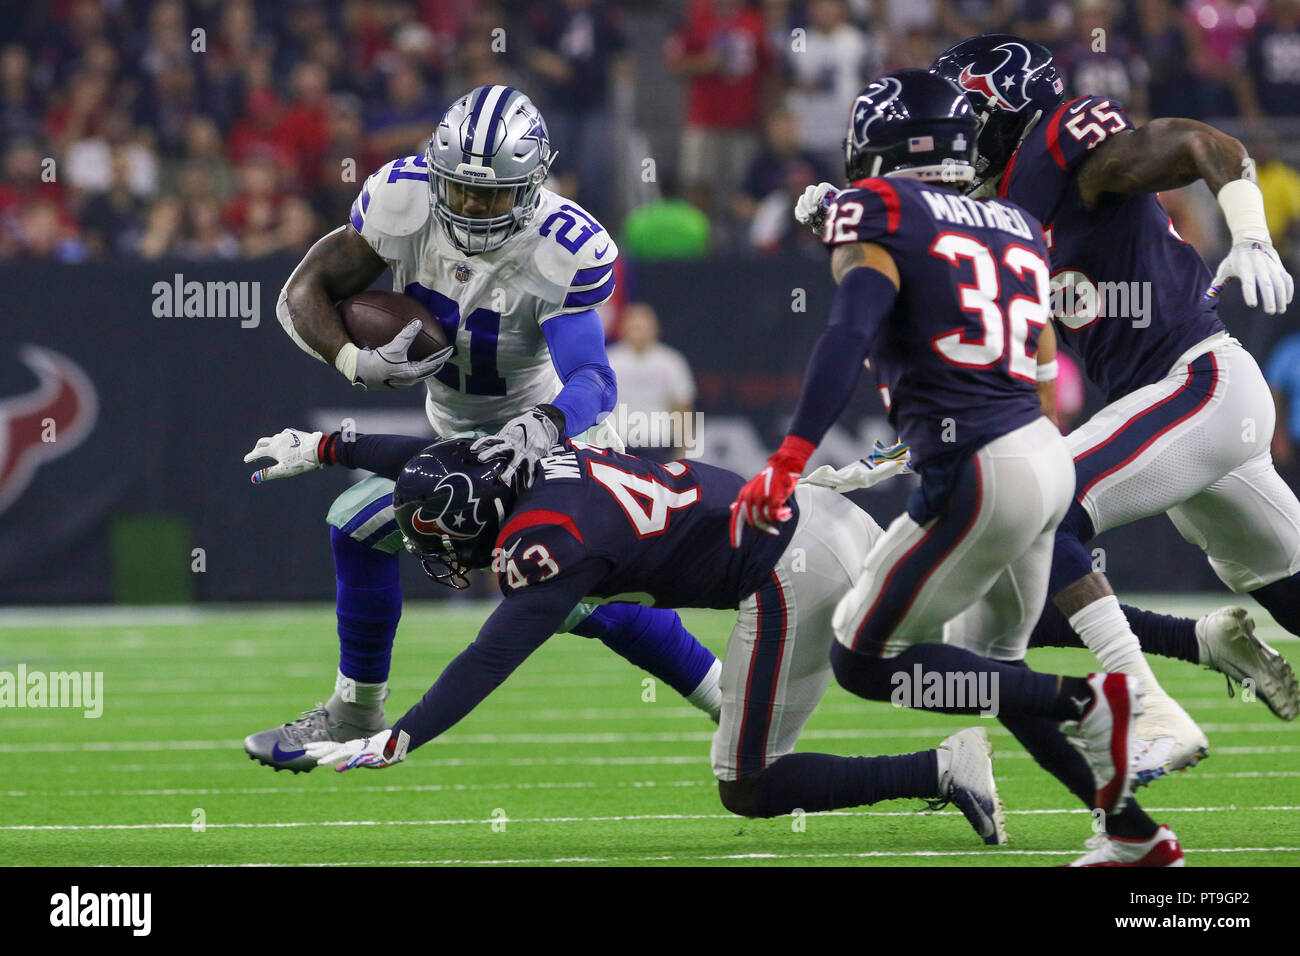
(883, 462)
(377, 752)
(811, 207)
(294, 452)
(522, 441)
(389, 365)
(1256, 263)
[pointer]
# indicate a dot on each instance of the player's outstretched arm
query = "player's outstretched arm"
(1169, 153)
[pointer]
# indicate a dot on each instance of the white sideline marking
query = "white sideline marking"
(865, 854)
(412, 788)
(628, 818)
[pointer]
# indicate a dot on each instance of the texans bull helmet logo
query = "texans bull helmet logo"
(452, 510)
(1002, 77)
(872, 105)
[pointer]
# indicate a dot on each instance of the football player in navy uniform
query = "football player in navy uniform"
(513, 272)
(1190, 418)
(606, 527)
(944, 296)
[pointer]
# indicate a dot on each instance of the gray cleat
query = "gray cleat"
(1228, 644)
(968, 782)
(284, 747)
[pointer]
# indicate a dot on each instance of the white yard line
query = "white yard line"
(627, 818)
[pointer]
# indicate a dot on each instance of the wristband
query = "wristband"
(1243, 208)
(793, 453)
(326, 447)
(1047, 371)
(346, 361)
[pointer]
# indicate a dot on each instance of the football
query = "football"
(373, 318)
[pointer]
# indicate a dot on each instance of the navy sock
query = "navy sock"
(653, 639)
(828, 782)
(369, 607)
(1161, 634)
(1070, 559)
(1282, 600)
(1016, 690)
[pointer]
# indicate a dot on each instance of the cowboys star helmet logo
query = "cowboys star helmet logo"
(1003, 85)
(451, 510)
(872, 105)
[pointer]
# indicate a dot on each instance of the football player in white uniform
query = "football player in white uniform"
(513, 272)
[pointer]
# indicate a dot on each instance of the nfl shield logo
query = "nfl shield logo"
(463, 273)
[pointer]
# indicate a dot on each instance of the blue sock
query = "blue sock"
(369, 607)
(1017, 690)
(654, 640)
(1070, 559)
(1282, 600)
(827, 782)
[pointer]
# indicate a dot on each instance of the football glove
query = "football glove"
(294, 452)
(523, 441)
(377, 752)
(762, 502)
(812, 206)
(882, 463)
(389, 366)
(1263, 277)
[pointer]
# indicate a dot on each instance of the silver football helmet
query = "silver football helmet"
(487, 161)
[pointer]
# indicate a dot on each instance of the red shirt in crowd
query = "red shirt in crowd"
(728, 97)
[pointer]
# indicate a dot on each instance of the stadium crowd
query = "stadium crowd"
(218, 129)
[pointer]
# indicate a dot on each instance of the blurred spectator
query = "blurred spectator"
(1163, 40)
(1217, 33)
(1274, 57)
(578, 45)
(655, 388)
(203, 236)
(834, 63)
(403, 121)
(1196, 218)
(48, 232)
(722, 52)
(765, 202)
(304, 129)
(1280, 185)
(258, 183)
(1099, 61)
(1043, 21)
(666, 228)
(20, 111)
(1283, 373)
(114, 219)
(967, 18)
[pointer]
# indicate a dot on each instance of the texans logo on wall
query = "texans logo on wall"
(45, 423)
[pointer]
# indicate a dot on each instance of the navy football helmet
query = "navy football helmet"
(451, 507)
(911, 123)
(1011, 83)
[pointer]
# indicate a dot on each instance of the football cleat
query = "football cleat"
(285, 747)
(1104, 735)
(1167, 739)
(968, 783)
(1160, 850)
(1228, 645)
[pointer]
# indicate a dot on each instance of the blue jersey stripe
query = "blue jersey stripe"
(591, 296)
(588, 276)
(368, 512)
(358, 220)
(764, 675)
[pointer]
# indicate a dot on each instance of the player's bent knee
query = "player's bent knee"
(364, 512)
(741, 796)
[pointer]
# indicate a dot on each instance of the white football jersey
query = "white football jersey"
(492, 305)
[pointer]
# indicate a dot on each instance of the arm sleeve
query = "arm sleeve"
(862, 302)
(385, 455)
(577, 345)
(518, 626)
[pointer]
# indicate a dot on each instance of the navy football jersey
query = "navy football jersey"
(956, 359)
(1112, 261)
(659, 532)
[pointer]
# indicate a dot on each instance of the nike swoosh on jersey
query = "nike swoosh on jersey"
(601, 254)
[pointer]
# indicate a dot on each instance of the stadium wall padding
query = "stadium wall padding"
(178, 401)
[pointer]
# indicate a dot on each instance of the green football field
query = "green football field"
(567, 763)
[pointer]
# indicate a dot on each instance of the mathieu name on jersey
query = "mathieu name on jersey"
(956, 360)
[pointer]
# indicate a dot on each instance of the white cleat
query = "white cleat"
(1228, 645)
(1161, 850)
(1168, 740)
(968, 783)
(1104, 735)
